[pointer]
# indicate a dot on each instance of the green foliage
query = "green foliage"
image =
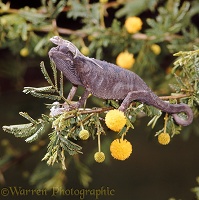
(196, 189)
(187, 66)
(32, 130)
(136, 7)
(47, 178)
(46, 92)
(171, 19)
(84, 173)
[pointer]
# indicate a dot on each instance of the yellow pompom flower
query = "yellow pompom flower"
(121, 149)
(125, 60)
(164, 138)
(24, 52)
(91, 38)
(156, 49)
(103, 1)
(5, 142)
(115, 120)
(133, 24)
(84, 134)
(34, 148)
(85, 50)
(99, 157)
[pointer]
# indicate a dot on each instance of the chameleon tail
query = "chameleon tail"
(174, 109)
(148, 97)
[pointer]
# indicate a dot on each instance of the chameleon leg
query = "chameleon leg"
(70, 97)
(67, 105)
(82, 100)
(72, 93)
(131, 96)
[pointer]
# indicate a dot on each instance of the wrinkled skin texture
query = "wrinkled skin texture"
(108, 81)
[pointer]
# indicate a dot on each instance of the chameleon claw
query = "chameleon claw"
(74, 106)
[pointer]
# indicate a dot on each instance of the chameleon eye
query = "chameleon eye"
(57, 48)
(69, 60)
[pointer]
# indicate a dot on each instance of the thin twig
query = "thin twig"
(174, 97)
(165, 122)
(102, 110)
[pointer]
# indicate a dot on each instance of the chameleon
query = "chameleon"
(108, 81)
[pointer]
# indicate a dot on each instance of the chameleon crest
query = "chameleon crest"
(108, 81)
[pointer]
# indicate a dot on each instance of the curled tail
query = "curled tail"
(186, 109)
(174, 109)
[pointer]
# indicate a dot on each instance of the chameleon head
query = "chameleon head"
(57, 40)
(61, 42)
(61, 53)
(63, 58)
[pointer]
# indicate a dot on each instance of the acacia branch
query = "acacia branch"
(102, 110)
(174, 97)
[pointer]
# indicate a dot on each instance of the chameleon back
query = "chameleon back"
(107, 81)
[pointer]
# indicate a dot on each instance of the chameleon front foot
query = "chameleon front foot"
(58, 109)
(74, 106)
(122, 108)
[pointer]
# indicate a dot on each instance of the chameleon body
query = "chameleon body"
(108, 81)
